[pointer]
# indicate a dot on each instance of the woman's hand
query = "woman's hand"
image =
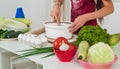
(78, 22)
(55, 13)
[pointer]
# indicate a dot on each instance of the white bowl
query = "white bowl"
(53, 30)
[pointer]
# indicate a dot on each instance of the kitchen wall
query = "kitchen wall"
(112, 22)
(39, 12)
(36, 10)
(116, 0)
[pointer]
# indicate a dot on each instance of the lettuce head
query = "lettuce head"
(92, 34)
(100, 53)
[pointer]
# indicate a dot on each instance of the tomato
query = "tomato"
(58, 41)
(71, 47)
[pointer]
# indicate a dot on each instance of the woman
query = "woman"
(83, 12)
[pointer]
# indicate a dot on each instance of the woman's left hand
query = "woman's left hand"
(78, 22)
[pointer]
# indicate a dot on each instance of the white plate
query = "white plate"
(73, 39)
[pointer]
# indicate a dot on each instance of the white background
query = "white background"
(38, 11)
(112, 22)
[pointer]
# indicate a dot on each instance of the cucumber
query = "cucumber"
(14, 34)
(4, 35)
(83, 49)
(1, 32)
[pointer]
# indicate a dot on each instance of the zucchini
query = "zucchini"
(83, 50)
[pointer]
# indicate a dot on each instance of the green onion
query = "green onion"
(49, 55)
(36, 51)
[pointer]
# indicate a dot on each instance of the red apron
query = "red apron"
(79, 7)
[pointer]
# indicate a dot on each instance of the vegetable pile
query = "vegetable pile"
(92, 34)
(9, 34)
(93, 45)
(97, 56)
(11, 28)
(64, 50)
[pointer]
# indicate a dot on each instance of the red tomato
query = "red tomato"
(71, 47)
(58, 41)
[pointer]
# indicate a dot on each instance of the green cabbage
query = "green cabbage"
(10, 24)
(92, 34)
(100, 53)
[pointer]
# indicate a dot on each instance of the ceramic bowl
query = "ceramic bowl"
(53, 30)
(88, 65)
(65, 56)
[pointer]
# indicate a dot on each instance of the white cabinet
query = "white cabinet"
(7, 61)
(23, 64)
(4, 61)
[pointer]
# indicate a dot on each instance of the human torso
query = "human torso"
(80, 7)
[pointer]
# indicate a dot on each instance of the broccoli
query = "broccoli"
(92, 34)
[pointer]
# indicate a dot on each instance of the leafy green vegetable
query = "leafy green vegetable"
(10, 24)
(26, 30)
(100, 53)
(92, 34)
(23, 20)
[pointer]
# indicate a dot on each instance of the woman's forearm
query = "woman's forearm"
(106, 10)
(38, 31)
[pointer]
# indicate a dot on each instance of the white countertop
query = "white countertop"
(50, 62)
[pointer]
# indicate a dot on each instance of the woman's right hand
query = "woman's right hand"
(55, 13)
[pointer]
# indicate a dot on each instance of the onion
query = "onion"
(64, 47)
